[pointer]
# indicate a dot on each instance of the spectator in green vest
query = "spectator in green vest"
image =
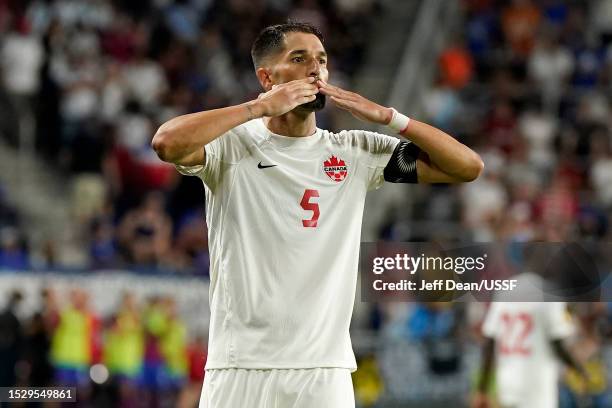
(124, 345)
(173, 344)
(70, 345)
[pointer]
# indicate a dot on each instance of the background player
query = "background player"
(525, 342)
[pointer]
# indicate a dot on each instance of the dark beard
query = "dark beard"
(313, 106)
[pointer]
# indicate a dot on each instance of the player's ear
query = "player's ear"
(263, 74)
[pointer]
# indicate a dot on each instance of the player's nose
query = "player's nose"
(314, 68)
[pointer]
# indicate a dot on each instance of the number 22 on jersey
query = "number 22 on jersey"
(516, 329)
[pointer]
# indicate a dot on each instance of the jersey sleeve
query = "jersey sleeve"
(379, 149)
(221, 154)
(559, 322)
(490, 327)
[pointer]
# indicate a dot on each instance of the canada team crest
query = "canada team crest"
(335, 168)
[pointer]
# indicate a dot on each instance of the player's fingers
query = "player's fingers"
(340, 100)
(345, 94)
(351, 105)
(335, 90)
(302, 86)
(309, 90)
(331, 87)
(300, 93)
(305, 98)
(337, 93)
(328, 91)
(323, 84)
(301, 82)
(343, 104)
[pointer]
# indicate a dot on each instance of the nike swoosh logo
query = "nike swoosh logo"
(260, 166)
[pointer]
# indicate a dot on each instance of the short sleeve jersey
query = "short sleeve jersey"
(284, 221)
(526, 366)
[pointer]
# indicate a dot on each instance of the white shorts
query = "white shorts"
(278, 388)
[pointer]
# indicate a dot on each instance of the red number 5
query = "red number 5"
(308, 206)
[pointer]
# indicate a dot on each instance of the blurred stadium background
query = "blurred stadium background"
(103, 248)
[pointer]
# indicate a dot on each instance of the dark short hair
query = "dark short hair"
(270, 39)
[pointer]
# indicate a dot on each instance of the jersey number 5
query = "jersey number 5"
(308, 206)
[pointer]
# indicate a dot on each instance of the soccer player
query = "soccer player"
(525, 341)
(284, 203)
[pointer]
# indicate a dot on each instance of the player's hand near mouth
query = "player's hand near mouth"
(285, 97)
(357, 105)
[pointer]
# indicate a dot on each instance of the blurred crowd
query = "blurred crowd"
(141, 355)
(528, 84)
(98, 77)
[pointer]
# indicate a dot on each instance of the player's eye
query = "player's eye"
(297, 59)
(322, 61)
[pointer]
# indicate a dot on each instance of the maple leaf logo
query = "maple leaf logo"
(333, 161)
(335, 168)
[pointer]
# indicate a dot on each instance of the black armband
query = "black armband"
(402, 164)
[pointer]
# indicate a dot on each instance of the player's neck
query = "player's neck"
(294, 124)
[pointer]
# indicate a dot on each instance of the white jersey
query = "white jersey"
(527, 369)
(284, 217)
